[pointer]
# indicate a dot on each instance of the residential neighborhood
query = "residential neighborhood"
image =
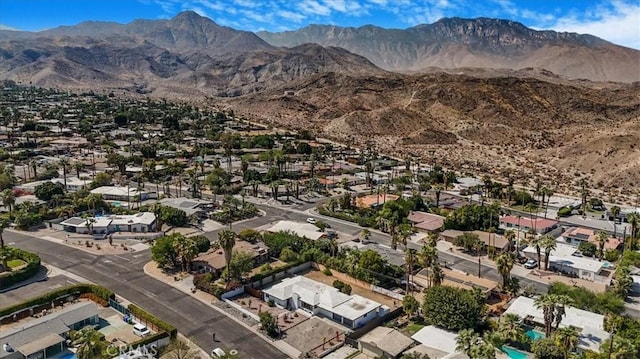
(219, 235)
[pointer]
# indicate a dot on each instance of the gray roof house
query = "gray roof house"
(45, 336)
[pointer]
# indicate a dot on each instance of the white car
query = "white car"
(218, 353)
(141, 330)
(311, 220)
(531, 263)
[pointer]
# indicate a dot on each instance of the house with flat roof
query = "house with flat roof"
(300, 229)
(316, 298)
(426, 222)
(577, 235)
(524, 224)
(383, 342)
(123, 194)
(496, 241)
(437, 343)
(142, 222)
(588, 325)
(193, 207)
(213, 261)
(566, 260)
(46, 336)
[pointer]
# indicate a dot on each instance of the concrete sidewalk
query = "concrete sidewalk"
(186, 284)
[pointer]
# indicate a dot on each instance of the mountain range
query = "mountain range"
(486, 93)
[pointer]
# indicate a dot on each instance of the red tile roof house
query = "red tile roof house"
(540, 225)
(426, 222)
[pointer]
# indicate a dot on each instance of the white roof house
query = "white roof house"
(562, 258)
(324, 297)
(301, 229)
(588, 324)
(139, 222)
(438, 343)
(118, 193)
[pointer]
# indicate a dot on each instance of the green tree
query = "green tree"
(47, 190)
(602, 238)
(227, 240)
(90, 343)
(240, 265)
(553, 309)
(101, 179)
(163, 251)
(505, 262)
(173, 216)
(202, 243)
(452, 308)
(180, 350)
(410, 305)
(365, 234)
(510, 328)
(268, 324)
(566, 339)
(545, 348)
(467, 339)
(249, 235)
(548, 244)
(8, 199)
(372, 261)
(186, 250)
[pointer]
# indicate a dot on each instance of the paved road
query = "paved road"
(19, 295)
(124, 275)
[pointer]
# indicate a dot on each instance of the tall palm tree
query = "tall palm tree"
(510, 236)
(404, 234)
(612, 323)
(549, 193)
(3, 225)
(427, 256)
(186, 249)
(535, 242)
(34, 167)
(553, 309)
(566, 339)
(78, 166)
(409, 258)
(332, 203)
(227, 240)
(64, 164)
(8, 199)
(548, 244)
(90, 343)
(504, 263)
(615, 211)
(436, 275)
(602, 238)
(634, 221)
(478, 245)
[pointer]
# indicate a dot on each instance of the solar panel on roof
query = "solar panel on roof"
(75, 221)
(581, 236)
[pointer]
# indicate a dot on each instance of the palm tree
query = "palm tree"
(438, 189)
(90, 341)
(634, 221)
(404, 234)
(505, 263)
(186, 249)
(510, 235)
(549, 193)
(332, 203)
(409, 257)
(227, 240)
(8, 199)
(466, 340)
(180, 350)
(5, 254)
(567, 339)
(365, 234)
(612, 323)
(547, 303)
(64, 164)
(478, 245)
(3, 225)
(615, 211)
(510, 327)
(78, 166)
(602, 238)
(427, 256)
(34, 166)
(548, 244)
(436, 275)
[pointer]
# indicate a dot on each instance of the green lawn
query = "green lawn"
(522, 209)
(413, 327)
(14, 263)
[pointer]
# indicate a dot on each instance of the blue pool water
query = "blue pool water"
(514, 353)
(534, 334)
(68, 356)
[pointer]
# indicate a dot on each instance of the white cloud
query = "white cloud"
(260, 17)
(619, 24)
(211, 5)
(292, 16)
(313, 7)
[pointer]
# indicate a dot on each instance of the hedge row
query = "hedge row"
(148, 317)
(101, 292)
(148, 339)
(273, 271)
(31, 269)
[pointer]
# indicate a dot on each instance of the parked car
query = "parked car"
(141, 330)
(531, 263)
(218, 353)
(311, 220)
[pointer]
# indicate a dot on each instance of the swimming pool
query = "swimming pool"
(534, 334)
(68, 356)
(514, 353)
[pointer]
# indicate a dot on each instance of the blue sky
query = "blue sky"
(617, 21)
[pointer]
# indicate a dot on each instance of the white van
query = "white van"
(141, 330)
